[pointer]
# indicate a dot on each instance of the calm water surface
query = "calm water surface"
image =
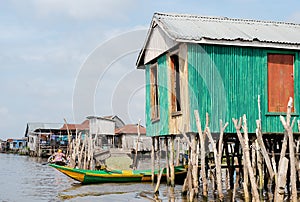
(24, 178)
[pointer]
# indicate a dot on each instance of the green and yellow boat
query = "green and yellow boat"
(105, 176)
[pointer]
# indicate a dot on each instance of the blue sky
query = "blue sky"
(46, 47)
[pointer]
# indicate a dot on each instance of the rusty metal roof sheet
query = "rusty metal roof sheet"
(193, 28)
(130, 129)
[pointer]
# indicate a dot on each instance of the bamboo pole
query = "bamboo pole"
(202, 151)
(178, 151)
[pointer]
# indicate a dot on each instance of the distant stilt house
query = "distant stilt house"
(104, 129)
(129, 139)
(45, 138)
(16, 145)
(220, 66)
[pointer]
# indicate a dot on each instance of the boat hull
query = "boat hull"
(118, 176)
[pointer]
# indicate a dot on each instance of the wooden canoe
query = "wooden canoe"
(105, 176)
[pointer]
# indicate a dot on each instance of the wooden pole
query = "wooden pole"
(153, 159)
(159, 175)
(69, 151)
(158, 153)
(137, 146)
(260, 169)
(194, 157)
(281, 180)
(172, 169)
(217, 160)
(289, 129)
(247, 162)
(178, 151)
(263, 149)
(202, 151)
(167, 160)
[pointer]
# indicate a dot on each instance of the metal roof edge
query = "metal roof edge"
(259, 44)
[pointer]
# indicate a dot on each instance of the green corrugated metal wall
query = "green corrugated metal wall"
(225, 81)
(160, 127)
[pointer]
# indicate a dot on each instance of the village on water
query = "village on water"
(222, 114)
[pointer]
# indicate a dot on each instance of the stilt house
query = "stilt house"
(218, 65)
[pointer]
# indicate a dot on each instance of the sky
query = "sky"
(74, 58)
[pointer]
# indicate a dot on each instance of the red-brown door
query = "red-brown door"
(280, 81)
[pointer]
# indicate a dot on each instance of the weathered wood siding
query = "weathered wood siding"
(225, 81)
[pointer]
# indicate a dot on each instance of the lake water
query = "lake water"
(24, 178)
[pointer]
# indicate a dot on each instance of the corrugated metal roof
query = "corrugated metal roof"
(220, 30)
(196, 28)
(130, 129)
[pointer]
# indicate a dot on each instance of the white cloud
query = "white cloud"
(83, 9)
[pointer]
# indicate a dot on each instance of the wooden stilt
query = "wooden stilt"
(152, 159)
(260, 169)
(172, 169)
(263, 149)
(289, 129)
(202, 152)
(245, 145)
(159, 175)
(167, 160)
(178, 151)
(281, 180)
(237, 178)
(158, 153)
(217, 157)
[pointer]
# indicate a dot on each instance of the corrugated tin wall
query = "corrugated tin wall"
(225, 81)
(159, 127)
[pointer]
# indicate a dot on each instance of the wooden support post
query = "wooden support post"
(167, 160)
(159, 175)
(263, 149)
(194, 157)
(260, 169)
(202, 151)
(289, 129)
(152, 159)
(237, 178)
(281, 180)
(158, 153)
(137, 146)
(172, 169)
(247, 162)
(178, 151)
(253, 158)
(218, 157)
